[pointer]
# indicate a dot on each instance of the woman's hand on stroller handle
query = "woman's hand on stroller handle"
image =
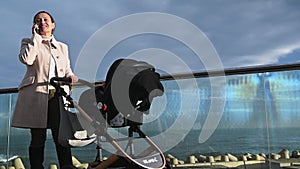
(73, 78)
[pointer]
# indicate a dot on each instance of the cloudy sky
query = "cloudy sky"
(243, 33)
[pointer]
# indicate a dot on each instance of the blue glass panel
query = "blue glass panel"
(260, 114)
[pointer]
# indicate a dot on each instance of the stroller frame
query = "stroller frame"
(101, 131)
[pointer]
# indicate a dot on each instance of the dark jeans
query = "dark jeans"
(38, 139)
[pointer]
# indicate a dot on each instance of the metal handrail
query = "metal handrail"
(210, 73)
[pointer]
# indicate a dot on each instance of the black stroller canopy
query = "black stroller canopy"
(130, 87)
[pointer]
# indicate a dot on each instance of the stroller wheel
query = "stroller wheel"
(94, 164)
(123, 163)
(168, 165)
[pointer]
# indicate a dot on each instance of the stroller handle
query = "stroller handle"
(66, 80)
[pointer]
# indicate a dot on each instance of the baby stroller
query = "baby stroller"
(126, 96)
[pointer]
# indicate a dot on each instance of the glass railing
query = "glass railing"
(255, 110)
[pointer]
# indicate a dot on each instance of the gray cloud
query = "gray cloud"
(244, 33)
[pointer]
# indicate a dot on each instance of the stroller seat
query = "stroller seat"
(127, 94)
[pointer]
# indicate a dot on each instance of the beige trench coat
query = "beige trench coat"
(32, 103)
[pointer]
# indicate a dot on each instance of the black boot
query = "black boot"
(64, 157)
(36, 157)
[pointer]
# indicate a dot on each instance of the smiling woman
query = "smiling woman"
(43, 23)
(44, 58)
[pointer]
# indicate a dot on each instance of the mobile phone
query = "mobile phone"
(37, 30)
